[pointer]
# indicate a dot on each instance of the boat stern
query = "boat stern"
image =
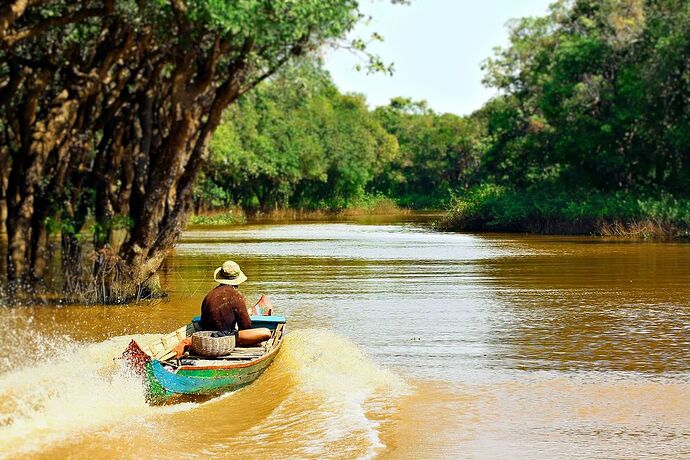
(135, 358)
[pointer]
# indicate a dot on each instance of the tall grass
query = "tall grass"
(371, 204)
(226, 217)
(543, 210)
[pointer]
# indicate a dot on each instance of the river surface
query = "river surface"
(402, 343)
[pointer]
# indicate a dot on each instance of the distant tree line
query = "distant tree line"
(592, 124)
(439, 154)
(297, 142)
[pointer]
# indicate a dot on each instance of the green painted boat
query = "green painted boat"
(169, 379)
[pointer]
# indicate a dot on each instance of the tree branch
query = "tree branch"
(12, 11)
(8, 41)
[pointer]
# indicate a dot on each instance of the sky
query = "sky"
(436, 47)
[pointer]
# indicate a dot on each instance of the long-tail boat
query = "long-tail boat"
(168, 378)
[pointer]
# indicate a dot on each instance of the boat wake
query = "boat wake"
(321, 397)
(336, 398)
(74, 389)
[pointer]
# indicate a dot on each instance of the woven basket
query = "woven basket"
(205, 345)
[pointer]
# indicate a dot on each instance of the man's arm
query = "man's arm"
(243, 319)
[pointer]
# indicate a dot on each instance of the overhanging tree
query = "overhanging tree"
(106, 109)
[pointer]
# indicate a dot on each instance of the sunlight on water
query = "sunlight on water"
(354, 241)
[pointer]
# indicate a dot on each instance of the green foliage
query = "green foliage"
(298, 142)
(438, 153)
(595, 96)
(374, 203)
(295, 142)
(548, 209)
(227, 218)
(592, 125)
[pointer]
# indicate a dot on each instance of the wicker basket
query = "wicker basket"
(205, 345)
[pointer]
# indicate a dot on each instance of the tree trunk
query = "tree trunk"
(116, 123)
(4, 178)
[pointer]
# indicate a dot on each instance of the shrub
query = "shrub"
(549, 210)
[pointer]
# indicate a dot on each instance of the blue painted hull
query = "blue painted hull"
(165, 381)
(163, 384)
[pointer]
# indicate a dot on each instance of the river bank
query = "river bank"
(492, 208)
(368, 206)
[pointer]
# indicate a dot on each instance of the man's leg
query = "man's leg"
(252, 336)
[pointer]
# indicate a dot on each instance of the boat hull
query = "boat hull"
(165, 379)
(163, 384)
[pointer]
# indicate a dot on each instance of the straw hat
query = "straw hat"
(229, 273)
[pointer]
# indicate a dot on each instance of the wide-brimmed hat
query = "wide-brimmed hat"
(229, 273)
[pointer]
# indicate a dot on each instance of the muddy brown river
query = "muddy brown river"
(402, 343)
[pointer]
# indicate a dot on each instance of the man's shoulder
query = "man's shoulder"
(226, 289)
(213, 293)
(223, 291)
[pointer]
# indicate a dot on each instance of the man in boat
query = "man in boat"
(225, 307)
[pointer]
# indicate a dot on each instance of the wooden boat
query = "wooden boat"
(167, 378)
